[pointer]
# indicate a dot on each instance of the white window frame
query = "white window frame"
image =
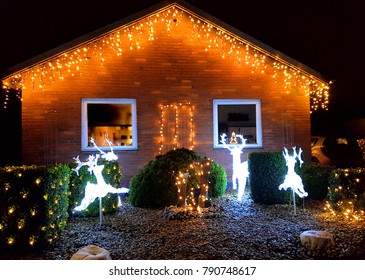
(84, 122)
(256, 102)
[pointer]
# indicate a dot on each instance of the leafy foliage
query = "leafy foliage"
(217, 180)
(154, 185)
(315, 179)
(33, 206)
(267, 171)
(346, 191)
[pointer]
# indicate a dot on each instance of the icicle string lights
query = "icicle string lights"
(135, 36)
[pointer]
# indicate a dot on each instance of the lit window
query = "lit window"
(241, 116)
(114, 118)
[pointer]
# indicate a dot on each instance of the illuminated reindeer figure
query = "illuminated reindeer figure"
(101, 188)
(240, 169)
(292, 179)
(110, 156)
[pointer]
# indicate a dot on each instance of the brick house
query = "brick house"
(169, 76)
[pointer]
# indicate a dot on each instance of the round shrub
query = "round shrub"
(154, 185)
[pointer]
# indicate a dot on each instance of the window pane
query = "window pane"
(240, 119)
(113, 120)
(241, 116)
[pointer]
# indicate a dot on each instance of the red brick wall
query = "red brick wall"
(172, 68)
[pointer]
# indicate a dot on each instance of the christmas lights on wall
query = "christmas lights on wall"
(137, 35)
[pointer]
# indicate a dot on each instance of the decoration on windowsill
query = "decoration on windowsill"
(292, 180)
(101, 188)
(239, 169)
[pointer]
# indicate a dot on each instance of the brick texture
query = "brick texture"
(172, 68)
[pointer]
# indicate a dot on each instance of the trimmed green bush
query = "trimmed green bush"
(154, 185)
(112, 175)
(217, 180)
(315, 179)
(33, 206)
(267, 171)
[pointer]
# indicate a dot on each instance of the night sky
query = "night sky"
(328, 36)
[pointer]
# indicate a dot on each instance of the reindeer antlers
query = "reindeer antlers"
(107, 156)
(91, 161)
(295, 155)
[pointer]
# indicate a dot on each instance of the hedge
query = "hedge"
(33, 206)
(346, 192)
(268, 170)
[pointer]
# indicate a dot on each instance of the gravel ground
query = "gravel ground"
(231, 230)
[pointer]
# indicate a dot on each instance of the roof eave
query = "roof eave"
(94, 35)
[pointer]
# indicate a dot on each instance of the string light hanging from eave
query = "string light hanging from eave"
(130, 37)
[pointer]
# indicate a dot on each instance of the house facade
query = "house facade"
(170, 76)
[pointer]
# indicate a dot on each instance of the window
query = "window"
(112, 117)
(241, 116)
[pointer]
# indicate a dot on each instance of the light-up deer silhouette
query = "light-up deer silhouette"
(239, 169)
(100, 189)
(292, 179)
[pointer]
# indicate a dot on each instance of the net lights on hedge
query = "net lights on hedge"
(17, 221)
(171, 19)
(346, 200)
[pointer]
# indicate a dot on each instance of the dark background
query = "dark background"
(328, 36)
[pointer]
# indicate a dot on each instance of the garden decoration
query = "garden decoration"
(240, 169)
(197, 196)
(292, 180)
(242, 179)
(101, 188)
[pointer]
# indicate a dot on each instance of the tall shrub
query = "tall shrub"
(267, 171)
(315, 179)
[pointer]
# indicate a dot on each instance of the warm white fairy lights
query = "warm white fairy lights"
(137, 34)
(182, 129)
(194, 197)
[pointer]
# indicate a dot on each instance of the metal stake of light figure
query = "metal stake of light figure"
(101, 188)
(239, 169)
(292, 180)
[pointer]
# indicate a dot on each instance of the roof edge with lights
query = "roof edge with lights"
(262, 47)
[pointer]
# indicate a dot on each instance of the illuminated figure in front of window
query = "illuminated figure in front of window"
(239, 169)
